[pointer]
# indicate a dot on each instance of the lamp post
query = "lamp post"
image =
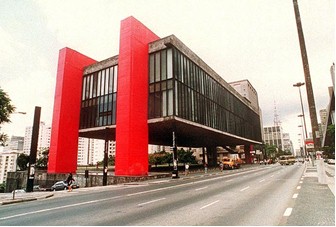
(304, 133)
(105, 169)
(299, 84)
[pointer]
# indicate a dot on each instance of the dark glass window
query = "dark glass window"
(197, 96)
(99, 98)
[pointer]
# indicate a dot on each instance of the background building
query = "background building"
(91, 151)
(7, 164)
(43, 138)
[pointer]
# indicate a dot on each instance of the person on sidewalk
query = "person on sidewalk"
(186, 172)
(69, 182)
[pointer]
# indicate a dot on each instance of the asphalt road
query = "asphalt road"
(253, 196)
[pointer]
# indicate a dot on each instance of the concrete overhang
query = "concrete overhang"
(188, 134)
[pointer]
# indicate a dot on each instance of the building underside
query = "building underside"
(188, 134)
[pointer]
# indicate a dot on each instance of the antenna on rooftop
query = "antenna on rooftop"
(277, 121)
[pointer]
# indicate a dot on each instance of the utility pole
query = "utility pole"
(309, 87)
(33, 150)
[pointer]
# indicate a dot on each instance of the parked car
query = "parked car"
(60, 185)
(331, 161)
(19, 191)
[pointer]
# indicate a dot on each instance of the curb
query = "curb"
(21, 200)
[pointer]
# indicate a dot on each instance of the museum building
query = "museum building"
(154, 87)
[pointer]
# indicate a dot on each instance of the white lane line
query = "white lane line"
(262, 180)
(152, 201)
(197, 189)
(57, 208)
(244, 188)
(295, 195)
(128, 195)
(209, 205)
(298, 187)
(301, 182)
(288, 212)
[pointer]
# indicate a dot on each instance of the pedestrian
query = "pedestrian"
(205, 167)
(221, 166)
(186, 172)
(69, 182)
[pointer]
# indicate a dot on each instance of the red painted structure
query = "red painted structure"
(132, 104)
(132, 99)
(67, 103)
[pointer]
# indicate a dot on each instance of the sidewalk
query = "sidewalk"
(7, 198)
(315, 203)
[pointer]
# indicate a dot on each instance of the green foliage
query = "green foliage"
(22, 161)
(163, 157)
(2, 187)
(186, 156)
(6, 108)
(42, 162)
(3, 139)
(111, 160)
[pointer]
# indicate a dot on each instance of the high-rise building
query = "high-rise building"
(274, 136)
(245, 89)
(7, 164)
(91, 151)
(43, 138)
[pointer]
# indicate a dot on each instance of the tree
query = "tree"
(3, 139)
(22, 161)
(42, 162)
(186, 156)
(271, 150)
(6, 108)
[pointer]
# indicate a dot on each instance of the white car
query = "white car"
(331, 161)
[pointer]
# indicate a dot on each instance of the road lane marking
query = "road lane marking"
(197, 189)
(229, 180)
(128, 195)
(295, 195)
(288, 212)
(301, 182)
(244, 188)
(298, 187)
(210, 204)
(152, 201)
(262, 180)
(57, 208)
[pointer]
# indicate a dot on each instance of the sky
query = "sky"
(239, 39)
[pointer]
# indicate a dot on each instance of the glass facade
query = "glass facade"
(99, 96)
(177, 87)
(197, 97)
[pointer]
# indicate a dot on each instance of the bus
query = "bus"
(287, 160)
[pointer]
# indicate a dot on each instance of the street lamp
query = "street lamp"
(299, 84)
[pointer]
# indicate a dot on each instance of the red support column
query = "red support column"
(67, 103)
(132, 99)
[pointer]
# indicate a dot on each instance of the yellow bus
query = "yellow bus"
(287, 160)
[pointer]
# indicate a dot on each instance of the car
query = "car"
(59, 185)
(62, 185)
(19, 191)
(331, 161)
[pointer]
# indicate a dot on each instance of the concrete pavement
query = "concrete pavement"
(315, 197)
(311, 171)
